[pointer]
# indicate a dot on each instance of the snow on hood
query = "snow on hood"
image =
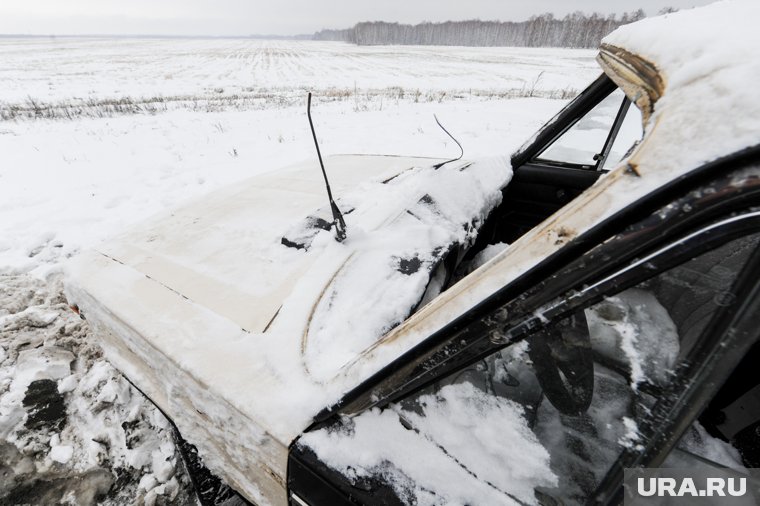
(243, 394)
(388, 270)
(355, 291)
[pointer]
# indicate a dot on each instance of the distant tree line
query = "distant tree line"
(574, 30)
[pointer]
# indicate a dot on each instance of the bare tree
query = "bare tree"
(574, 30)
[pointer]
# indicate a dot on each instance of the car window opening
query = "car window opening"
(598, 140)
(601, 138)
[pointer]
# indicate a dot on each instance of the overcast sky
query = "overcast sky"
(286, 17)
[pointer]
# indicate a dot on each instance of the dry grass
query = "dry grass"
(252, 99)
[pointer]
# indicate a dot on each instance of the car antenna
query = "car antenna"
(340, 224)
(461, 149)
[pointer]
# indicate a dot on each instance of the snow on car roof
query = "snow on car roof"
(705, 56)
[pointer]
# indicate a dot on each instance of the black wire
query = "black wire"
(461, 149)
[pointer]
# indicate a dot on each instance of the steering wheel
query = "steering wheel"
(564, 364)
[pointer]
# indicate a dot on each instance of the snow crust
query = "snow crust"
(500, 462)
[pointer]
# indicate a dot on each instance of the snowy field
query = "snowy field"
(63, 77)
(97, 134)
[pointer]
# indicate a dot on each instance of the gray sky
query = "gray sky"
(245, 17)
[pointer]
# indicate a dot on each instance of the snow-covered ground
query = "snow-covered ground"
(75, 167)
(44, 76)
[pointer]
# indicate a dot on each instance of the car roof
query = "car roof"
(693, 73)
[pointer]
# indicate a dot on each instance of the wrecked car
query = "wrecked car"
(510, 331)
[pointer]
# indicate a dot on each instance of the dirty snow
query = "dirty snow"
(71, 427)
(210, 113)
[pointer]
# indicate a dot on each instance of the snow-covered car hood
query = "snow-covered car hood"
(236, 312)
(225, 252)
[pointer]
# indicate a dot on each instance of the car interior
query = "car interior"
(611, 362)
(585, 140)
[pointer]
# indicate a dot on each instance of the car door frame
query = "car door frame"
(527, 156)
